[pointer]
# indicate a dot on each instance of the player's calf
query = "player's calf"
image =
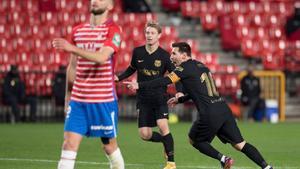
(116, 160)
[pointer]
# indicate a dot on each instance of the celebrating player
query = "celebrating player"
(214, 116)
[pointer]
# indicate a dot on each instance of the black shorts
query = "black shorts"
(148, 114)
(228, 132)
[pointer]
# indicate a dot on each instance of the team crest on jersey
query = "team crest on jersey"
(117, 39)
(157, 63)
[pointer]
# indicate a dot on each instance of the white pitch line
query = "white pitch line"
(128, 164)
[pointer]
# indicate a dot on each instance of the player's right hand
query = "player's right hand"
(172, 102)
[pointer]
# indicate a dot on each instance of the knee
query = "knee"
(70, 145)
(110, 147)
(239, 146)
(145, 135)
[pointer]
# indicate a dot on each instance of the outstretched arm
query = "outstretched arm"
(128, 72)
(160, 82)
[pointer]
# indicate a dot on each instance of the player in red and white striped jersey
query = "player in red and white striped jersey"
(90, 96)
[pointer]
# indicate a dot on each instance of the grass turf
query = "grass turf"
(36, 146)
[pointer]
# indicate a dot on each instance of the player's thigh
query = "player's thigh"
(146, 115)
(75, 120)
(200, 132)
(102, 119)
(229, 132)
(161, 111)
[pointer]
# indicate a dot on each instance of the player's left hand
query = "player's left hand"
(172, 102)
(62, 44)
(132, 85)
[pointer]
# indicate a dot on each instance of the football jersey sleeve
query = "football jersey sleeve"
(177, 74)
(114, 38)
(133, 59)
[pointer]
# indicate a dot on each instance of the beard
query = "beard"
(97, 11)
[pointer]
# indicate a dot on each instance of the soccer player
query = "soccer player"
(150, 62)
(90, 95)
(214, 115)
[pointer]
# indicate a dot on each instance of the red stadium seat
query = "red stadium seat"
(170, 5)
(254, 7)
(170, 31)
(231, 69)
(236, 7)
(229, 38)
(231, 84)
(190, 8)
(273, 20)
(273, 61)
(219, 81)
(14, 6)
(209, 58)
(258, 20)
(287, 9)
(8, 58)
(6, 45)
(49, 6)
(16, 18)
(250, 48)
(49, 18)
(205, 7)
(23, 58)
(209, 21)
(31, 5)
(276, 33)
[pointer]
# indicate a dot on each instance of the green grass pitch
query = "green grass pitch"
(37, 146)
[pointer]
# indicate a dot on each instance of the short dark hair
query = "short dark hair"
(183, 48)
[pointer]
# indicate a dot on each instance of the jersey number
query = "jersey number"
(210, 85)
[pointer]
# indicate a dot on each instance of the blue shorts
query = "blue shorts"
(92, 119)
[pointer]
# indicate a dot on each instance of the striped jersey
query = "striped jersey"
(94, 82)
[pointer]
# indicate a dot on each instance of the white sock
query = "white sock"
(116, 160)
(223, 159)
(67, 160)
(268, 167)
